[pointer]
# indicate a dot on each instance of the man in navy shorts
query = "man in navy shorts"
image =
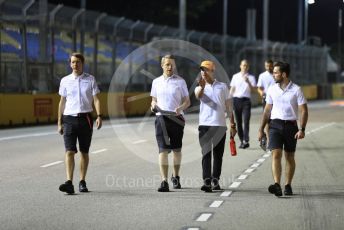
(283, 102)
(170, 97)
(78, 91)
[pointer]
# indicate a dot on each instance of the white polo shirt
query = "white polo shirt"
(285, 102)
(169, 92)
(212, 106)
(265, 80)
(79, 92)
(242, 89)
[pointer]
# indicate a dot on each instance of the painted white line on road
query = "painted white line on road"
(139, 142)
(216, 204)
(242, 177)
(266, 155)
(193, 228)
(204, 217)
(255, 165)
(226, 193)
(321, 127)
(261, 160)
(249, 170)
(235, 184)
(51, 164)
(27, 135)
(98, 151)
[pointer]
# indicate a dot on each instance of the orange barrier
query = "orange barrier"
(21, 109)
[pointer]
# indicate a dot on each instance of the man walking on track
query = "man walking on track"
(283, 102)
(242, 85)
(78, 91)
(265, 80)
(170, 97)
(215, 102)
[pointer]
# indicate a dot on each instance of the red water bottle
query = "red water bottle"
(232, 146)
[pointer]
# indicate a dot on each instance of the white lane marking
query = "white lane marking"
(193, 228)
(226, 193)
(98, 151)
(266, 155)
(51, 164)
(321, 127)
(242, 177)
(204, 217)
(249, 170)
(27, 135)
(235, 184)
(255, 165)
(139, 142)
(260, 160)
(216, 204)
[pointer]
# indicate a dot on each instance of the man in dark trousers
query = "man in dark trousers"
(242, 85)
(215, 102)
(283, 102)
(78, 91)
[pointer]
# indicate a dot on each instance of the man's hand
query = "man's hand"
(99, 122)
(300, 135)
(233, 131)
(178, 111)
(201, 82)
(260, 134)
(60, 128)
(153, 105)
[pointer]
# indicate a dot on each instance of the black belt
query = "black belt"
(292, 122)
(80, 115)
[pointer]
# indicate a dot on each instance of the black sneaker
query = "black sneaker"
(275, 189)
(67, 187)
(245, 145)
(163, 187)
(82, 186)
(176, 182)
(241, 146)
(206, 188)
(288, 191)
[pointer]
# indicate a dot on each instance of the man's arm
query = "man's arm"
(153, 103)
(303, 121)
(261, 91)
(60, 110)
(185, 104)
(265, 120)
(96, 102)
(229, 111)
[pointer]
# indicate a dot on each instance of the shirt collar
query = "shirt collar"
(76, 76)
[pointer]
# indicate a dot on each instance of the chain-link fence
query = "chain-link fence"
(37, 38)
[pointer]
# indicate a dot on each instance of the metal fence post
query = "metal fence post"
(74, 22)
(95, 50)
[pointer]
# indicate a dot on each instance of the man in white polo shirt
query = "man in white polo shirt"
(170, 97)
(265, 80)
(215, 102)
(283, 101)
(242, 84)
(78, 91)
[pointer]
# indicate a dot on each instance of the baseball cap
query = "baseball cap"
(208, 65)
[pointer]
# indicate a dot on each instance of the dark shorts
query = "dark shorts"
(169, 131)
(77, 128)
(282, 135)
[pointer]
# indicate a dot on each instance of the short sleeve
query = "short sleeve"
(153, 90)
(95, 89)
(232, 81)
(253, 81)
(185, 92)
(227, 94)
(301, 97)
(260, 81)
(62, 89)
(268, 98)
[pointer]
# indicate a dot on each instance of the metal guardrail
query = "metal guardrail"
(109, 39)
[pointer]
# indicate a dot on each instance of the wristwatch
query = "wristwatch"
(302, 129)
(100, 115)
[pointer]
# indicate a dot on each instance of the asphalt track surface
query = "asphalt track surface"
(123, 178)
